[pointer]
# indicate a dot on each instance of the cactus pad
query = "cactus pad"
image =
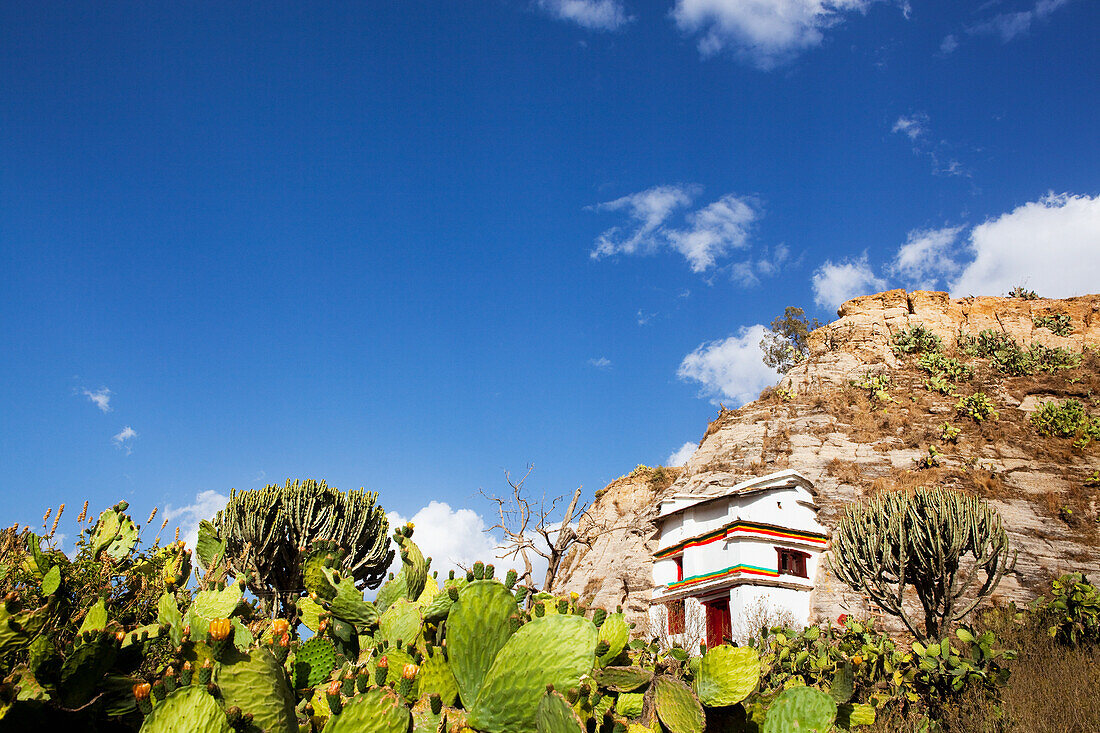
(629, 704)
(623, 679)
(424, 720)
(187, 710)
(402, 620)
(557, 650)
(801, 709)
(413, 565)
(95, 619)
(727, 675)
(478, 626)
(377, 710)
(436, 678)
(313, 662)
(554, 715)
(677, 709)
(257, 684)
(850, 715)
(115, 534)
(615, 631)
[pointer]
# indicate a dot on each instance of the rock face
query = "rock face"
(848, 444)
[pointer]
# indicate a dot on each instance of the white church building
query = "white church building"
(721, 555)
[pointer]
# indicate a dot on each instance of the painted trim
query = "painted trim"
(741, 527)
(733, 570)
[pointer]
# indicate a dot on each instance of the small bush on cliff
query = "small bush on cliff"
(977, 407)
(1067, 419)
(917, 340)
(1060, 324)
(1023, 293)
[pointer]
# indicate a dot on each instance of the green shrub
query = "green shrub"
(931, 460)
(949, 432)
(936, 363)
(1060, 324)
(977, 407)
(1073, 613)
(1023, 293)
(1048, 360)
(938, 383)
(917, 340)
(877, 385)
(1067, 419)
(1008, 357)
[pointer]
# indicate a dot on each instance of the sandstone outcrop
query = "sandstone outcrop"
(832, 432)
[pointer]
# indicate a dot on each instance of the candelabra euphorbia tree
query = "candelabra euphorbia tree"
(939, 543)
(261, 535)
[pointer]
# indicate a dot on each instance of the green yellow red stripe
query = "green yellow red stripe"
(734, 570)
(742, 527)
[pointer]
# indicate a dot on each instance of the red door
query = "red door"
(719, 625)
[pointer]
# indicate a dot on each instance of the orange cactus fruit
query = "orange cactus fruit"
(409, 671)
(857, 660)
(141, 690)
(219, 628)
(280, 626)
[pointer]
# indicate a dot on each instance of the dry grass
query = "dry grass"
(1052, 689)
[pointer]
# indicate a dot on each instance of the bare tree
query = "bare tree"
(533, 527)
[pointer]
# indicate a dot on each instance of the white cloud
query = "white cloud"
(124, 439)
(709, 232)
(949, 43)
(1009, 26)
(836, 282)
(1050, 244)
(927, 257)
(101, 398)
(914, 126)
(732, 369)
(714, 230)
(749, 272)
(601, 363)
(917, 128)
(452, 538)
(206, 505)
(648, 211)
(766, 32)
(681, 455)
(598, 15)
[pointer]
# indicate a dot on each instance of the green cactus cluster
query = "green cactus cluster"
(476, 654)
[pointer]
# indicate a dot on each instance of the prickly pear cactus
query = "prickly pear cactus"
(801, 709)
(168, 613)
(377, 710)
(849, 715)
(402, 620)
(616, 632)
(187, 710)
(630, 704)
(727, 675)
(309, 613)
(554, 650)
(256, 683)
(440, 605)
(843, 684)
(413, 563)
(623, 679)
(678, 710)
(347, 602)
(554, 715)
(313, 662)
(84, 668)
(115, 534)
(436, 678)
(478, 626)
(424, 720)
(390, 591)
(95, 619)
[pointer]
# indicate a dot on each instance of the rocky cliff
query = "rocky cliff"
(851, 442)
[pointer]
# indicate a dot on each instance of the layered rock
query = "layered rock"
(848, 445)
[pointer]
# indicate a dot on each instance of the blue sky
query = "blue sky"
(411, 245)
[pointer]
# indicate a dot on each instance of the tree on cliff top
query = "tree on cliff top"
(786, 342)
